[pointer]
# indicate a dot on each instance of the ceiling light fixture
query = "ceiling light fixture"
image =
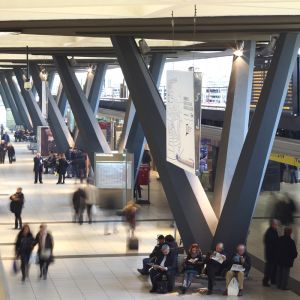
(239, 51)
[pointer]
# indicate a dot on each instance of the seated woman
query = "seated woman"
(165, 264)
(239, 267)
(192, 266)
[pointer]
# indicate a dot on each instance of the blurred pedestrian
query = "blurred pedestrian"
(45, 243)
(270, 241)
(11, 153)
(129, 212)
(286, 254)
(16, 206)
(2, 152)
(79, 198)
(23, 249)
(91, 199)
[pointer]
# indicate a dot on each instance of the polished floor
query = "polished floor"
(89, 264)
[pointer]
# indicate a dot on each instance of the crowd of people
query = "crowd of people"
(71, 164)
(162, 263)
(26, 135)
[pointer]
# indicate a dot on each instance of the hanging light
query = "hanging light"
(239, 51)
(27, 83)
(44, 74)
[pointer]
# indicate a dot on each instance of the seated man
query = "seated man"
(50, 162)
(155, 253)
(165, 264)
(239, 267)
(214, 265)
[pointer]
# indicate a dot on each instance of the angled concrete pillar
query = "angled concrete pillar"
(133, 136)
(3, 97)
(19, 100)
(248, 176)
(33, 107)
(236, 122)
(92, 135)
(192, 211)
(62, 100)
(92, 90)
(59, 129)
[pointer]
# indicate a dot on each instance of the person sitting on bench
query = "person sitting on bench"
(239, 268)
(193, 265)
(165, 265)
(155, 253)
(214, 265)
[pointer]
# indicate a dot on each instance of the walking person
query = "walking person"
(38, 168)
(91, 199)
(2, 152)
(16, 206)
(270, 240)
(79, 198)
(45, 243)
(62, 169)
(286, 254)
(23, 249)
(11, 153)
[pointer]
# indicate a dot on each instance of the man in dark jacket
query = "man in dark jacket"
(16, 206)
(239, 267)
(165, 265)
(286, 254)
(154, 254)
(79, 198)
(270, 241)
(62, 169)
(38, 168)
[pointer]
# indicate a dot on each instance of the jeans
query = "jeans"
(188, 278)
(24, 266)
(38, 176)
(44, 264)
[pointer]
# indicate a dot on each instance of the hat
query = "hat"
(160, 237)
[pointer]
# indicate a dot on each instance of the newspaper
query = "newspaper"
(218, 257)
(193, 260)
(237, 268)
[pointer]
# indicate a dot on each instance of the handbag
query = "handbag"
(233, 287)
(34, 259)
(16, 266)
(93, 210)
(45, 254)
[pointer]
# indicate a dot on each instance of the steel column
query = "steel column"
(10, 100)
(59, 129)
(248, 176)
(19, 100)
(92, 90)
(92, 135)
(33, 107)
(192, 211)
(3, 97)
(236, 122)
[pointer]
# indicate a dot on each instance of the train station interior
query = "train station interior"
(149, 149)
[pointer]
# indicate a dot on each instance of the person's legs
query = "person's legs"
(63, 177)
(279, 277)
(146, 267)
(285, 278)
(59, 178)
(273, 270)
(36, 173)
(23, 268)
(211, 273)
(229, 276)
(16, 221)
(240, 279)
(40, 176)
(89, 212)
(154, 277)
(171, 282)
(45, 270)
(80, 216)
(187, 279)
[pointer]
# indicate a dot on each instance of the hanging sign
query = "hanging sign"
(183, 119)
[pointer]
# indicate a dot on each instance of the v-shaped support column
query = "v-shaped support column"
(248, 176)
(192, 211)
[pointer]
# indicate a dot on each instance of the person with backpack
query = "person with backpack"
(16, 206)
(23, 249)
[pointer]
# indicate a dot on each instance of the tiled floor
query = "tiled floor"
(84, 268)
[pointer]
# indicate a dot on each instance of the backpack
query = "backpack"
(162, 285)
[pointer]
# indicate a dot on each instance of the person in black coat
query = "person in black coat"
(45, 243)
(79, 198)
(23, 249)
(193, 265)
(165, 264)
(38, 168)
(16, 206)
(154, 254)
(286, 254)
(11, 153)
(215, 264)
(2, 152)
(62, 169)
(270, 242)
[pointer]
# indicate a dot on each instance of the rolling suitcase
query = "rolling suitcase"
(133, 243)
